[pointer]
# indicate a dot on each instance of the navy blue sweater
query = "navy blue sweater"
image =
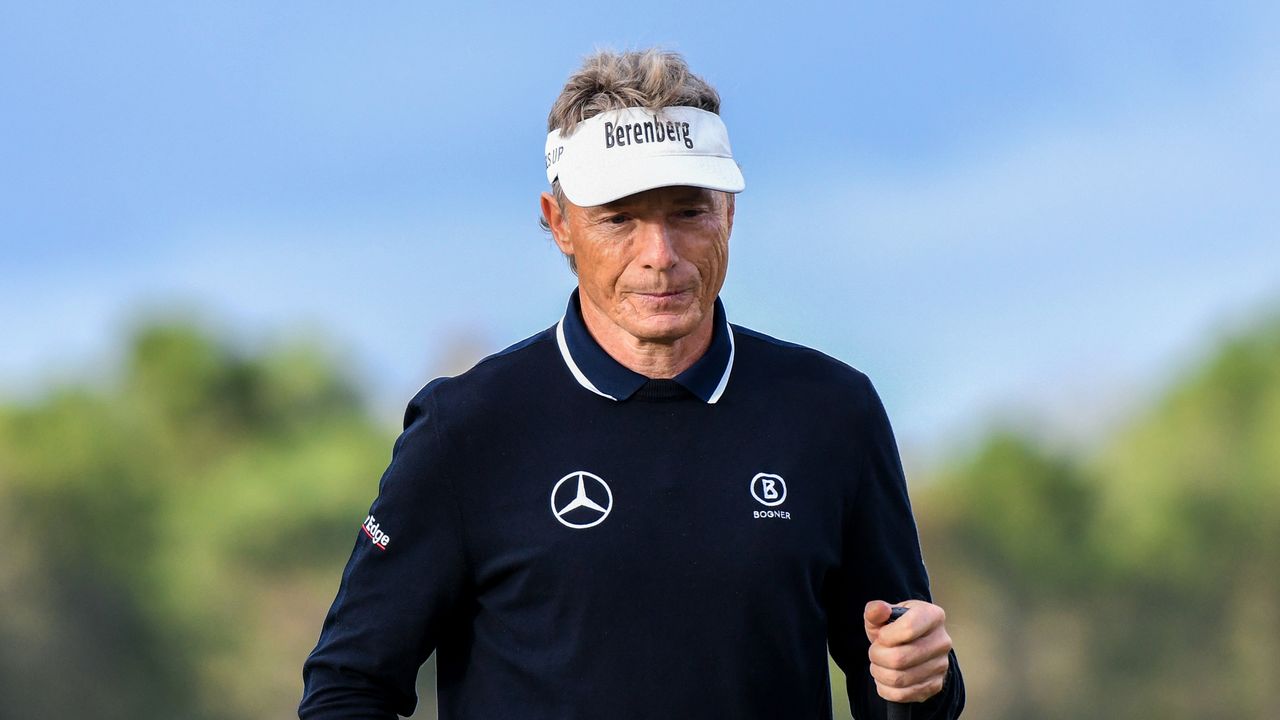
(577, 541)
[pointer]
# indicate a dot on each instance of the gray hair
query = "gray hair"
(609, 80)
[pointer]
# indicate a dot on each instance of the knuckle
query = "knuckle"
(893, 658)
(928, 686)
(888, 678)
(892, 694)
(928, 689)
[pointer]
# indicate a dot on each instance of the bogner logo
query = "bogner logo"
(379, 538)
(581, 500)
(769, 490)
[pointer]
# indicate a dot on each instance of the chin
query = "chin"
(664, 328)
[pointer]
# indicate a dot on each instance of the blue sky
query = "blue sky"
(996, 208)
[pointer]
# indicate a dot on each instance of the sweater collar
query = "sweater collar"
(597, 371)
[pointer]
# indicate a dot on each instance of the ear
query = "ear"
(558, 223)
(732, 199)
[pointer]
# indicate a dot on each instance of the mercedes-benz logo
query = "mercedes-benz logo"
(578, 509)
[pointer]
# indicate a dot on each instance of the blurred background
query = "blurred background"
(237, 237)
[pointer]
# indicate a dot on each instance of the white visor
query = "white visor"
(623, 152)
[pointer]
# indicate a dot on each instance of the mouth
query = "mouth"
(663, 300)
(661, 294)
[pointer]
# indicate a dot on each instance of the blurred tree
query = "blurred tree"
(1136, 583)
(1018, 510)
(177, 534)
(1191, 515)
(187, 527)
(1014, 520)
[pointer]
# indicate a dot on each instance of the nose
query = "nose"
(657, 249)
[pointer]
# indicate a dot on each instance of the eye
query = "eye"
(691, 212)
(616, 219)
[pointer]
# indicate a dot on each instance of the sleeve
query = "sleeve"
(406, 577)
(881, 561)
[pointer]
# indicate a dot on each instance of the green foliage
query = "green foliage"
(175, 505)
(1198, 480)
(1024, 512)
(1158, 554)
(178, 533)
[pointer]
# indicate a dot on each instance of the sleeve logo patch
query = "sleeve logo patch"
(379, 538)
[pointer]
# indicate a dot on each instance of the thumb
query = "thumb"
(876, 614)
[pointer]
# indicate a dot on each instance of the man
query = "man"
(642, 511)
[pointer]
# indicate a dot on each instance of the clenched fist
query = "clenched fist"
(908, 657)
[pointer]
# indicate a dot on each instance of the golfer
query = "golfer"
(644, 511)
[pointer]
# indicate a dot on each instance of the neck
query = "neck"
(650, 358)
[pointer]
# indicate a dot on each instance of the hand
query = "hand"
(908, 657)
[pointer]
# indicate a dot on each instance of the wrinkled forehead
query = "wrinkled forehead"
(663, 199)
(667, 195)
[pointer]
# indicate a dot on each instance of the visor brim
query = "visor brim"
(606, 184)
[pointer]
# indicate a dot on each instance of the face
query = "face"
(651, 264)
